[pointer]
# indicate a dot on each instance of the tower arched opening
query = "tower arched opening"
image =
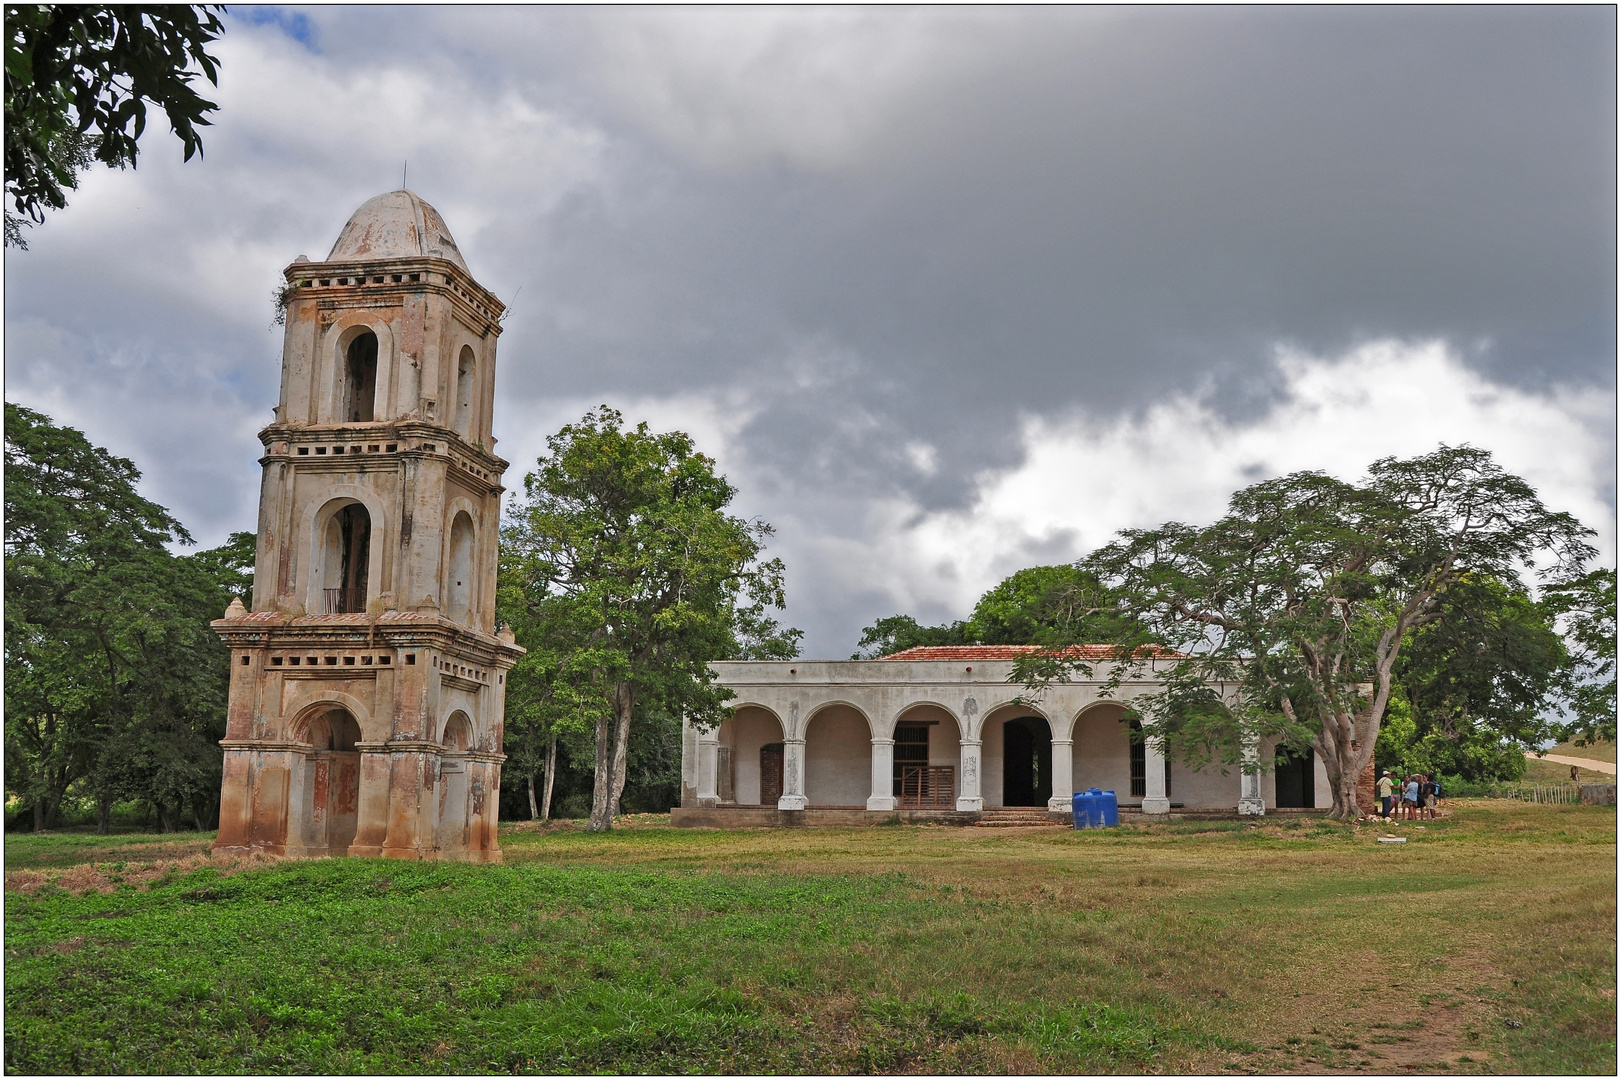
(459, 571)
(455, 813)
(346, 559)
(360, 379)
(466, 378)
(331, 797)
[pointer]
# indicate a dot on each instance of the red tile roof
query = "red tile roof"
(1013, 652)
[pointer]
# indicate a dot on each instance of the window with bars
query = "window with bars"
(1139, 764)
(911, 748)
(1139, 767)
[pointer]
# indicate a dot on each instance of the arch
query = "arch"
(460, 566)
(838, 755)
(329, 800)
(455, 814)
(332, 728)
(1017, 751)
(466, 393)
(840, 703)
(317, 519)
(1102, 752)
(458, 732)
(926, 756)
(358, 397)
(341, 570)
(930, 704)
(325, 700)
(748, 744)
(344, 331)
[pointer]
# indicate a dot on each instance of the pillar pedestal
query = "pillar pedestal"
(1062, 800)
(883, 775)
(1155, 801)
(968, 797)
(793, 775)
(1250, 802)
(708, 767)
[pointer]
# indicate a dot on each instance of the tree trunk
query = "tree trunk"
(551, 775)
(1344, 757)
(601, 819)
(534, 811)
(623, 702)
(39, 815)
(104, 815)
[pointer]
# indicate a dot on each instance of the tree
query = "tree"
(897, 633)
(113, 676)
(1034, 606)
(1587, 604)
(78, 81)
(621, 562)
(1294, 608)
(1480, 678)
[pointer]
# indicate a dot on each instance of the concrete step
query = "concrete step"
(1019, 818)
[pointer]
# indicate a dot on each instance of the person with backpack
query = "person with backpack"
(1409, 797)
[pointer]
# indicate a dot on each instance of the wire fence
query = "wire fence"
(1554, 794)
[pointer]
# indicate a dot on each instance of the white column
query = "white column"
(968, 798)
(1154, 798)
(708, 742)
(883, 775)
(1250, 803)
(1062, 799)
(793, 775)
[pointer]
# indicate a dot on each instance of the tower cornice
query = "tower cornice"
(370, 282)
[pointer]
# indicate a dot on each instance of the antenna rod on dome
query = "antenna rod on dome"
(404, 167)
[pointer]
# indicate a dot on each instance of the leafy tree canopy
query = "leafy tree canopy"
(625, 575)
(1294, 609)
(1587, 604)
(1040, 605)
(113, 677)
(78, 82)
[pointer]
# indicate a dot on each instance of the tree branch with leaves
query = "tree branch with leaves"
(1294, 608)
(622, 565)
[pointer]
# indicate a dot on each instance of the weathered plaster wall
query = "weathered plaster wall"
(838, 758)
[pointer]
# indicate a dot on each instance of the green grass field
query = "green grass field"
(1486, 943)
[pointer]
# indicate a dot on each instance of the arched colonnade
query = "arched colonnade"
(946, 734)
(924, 755)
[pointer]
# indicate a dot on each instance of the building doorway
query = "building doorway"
(1296, 779)
(770, 774)
(1027, 762)
(331, 783)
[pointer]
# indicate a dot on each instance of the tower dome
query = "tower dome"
(395, 225)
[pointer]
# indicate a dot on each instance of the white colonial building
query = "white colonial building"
(938, 732)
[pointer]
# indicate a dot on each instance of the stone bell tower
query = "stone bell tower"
(368, 682)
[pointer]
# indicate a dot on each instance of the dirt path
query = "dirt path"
(1580, 762)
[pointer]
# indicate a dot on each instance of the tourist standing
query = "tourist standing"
(1386, 788)
(1409, 797)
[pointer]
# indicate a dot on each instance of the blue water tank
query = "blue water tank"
(1096, 809)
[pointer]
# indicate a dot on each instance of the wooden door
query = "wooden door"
(770, 774)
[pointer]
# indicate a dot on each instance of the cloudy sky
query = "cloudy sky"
(946, 292)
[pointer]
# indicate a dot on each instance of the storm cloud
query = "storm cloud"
(945, 291)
